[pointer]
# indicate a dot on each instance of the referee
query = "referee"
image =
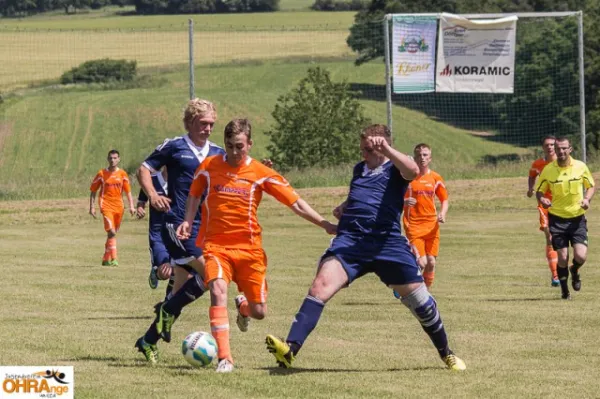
(572, 188)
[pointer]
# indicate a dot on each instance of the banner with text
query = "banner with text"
(413, 53)
(476, 56)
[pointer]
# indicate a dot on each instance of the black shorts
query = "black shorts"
(565, 231)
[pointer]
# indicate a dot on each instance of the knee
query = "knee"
(319, 288)
(111, 233)
(258, 311)
(430, 262)
(218, 288)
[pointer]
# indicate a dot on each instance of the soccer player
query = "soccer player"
(111, 182)
(369, 240)
(421, 221)
(181, 156)
(159, 256)
(230, 234)
(572, 188)
(536, 169)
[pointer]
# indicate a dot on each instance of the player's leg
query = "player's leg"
(158, 257)
(432, 247)
(417, 247)
(107, 219)
(218, 274)
(117, 218)
(250, 274)
(551, 255)
(331, 277)
(398, 269)
(580, 249)
(559, 230)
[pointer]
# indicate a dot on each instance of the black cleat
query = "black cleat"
(575, 279)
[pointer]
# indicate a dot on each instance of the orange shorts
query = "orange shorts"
(246, 267)
(425, 244)
(112, 220)
(543, 217)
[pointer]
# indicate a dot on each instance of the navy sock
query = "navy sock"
(188, 293)
(563, 276)
(151, 336)
(576, 266)
(305, 321)
(424, 308)
(169, 287)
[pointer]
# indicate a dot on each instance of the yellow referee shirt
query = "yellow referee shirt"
(566, 185)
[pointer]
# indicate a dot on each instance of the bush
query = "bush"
(101, 71)
(339, 5)
(316, 124)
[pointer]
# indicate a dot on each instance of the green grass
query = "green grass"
(63, 136)
(518, 339)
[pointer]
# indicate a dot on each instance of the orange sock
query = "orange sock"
(219, 327)
(245, 308)
(428, 277)
(112, 246)
(106, 256)
(552, 258)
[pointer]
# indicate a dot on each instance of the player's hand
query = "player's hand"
(132, 211)
(441, 218)
(140, 212)
(410, 201)
(267, 162)
(529, 193)
(338, 211)
(93, 212)
(184, 231)
(160, 203)
(545, 202)
(329, 227)
(164, 271)
(379, 144)
(585, 204)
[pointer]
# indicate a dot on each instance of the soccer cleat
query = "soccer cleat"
(242, 321)
(454, 363)
(153, 279)
(113, 262)
(281, 350)
(396, 295)
(566, 295)
(105, 263)
(575, 279)
(164, 321)
(224, 366)
(150, 351)
(555, 282)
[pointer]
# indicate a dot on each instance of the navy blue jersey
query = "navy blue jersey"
(375, 202)
(182, 158)
(155, 218)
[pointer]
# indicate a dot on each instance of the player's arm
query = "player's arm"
(158, 202)
(131, 207)
(92, 208)
(184, 230)
(530, 185)
(406, 165)
(305, 211)
(96, 183)
(589, 184)
(127, 189)
(543, 187)
(141, 204)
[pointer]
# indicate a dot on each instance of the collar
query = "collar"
(199, 153)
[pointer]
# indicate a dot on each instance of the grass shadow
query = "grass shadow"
(519, 299)
(299, 370)
(121, 318)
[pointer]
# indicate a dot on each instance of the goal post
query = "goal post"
(548, 96)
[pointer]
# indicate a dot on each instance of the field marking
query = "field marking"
(73, 136)
(6, 130)
(86, 138)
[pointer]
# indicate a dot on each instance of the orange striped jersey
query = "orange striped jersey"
(232, 198)
(536, 169)
(423, 215)
(111, 186)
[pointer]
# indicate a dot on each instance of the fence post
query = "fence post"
(191, 60)
(388, 81)
(581, 87)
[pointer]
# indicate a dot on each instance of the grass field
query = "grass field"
(518, 338)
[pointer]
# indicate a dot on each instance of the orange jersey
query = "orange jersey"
(111, 186)
(536, 169)
(232, 198)
(422, 217)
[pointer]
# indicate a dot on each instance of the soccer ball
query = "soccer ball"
(199, 349)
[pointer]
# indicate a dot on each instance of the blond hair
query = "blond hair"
(197, 108)
(377, 130)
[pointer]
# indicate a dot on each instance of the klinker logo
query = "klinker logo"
(460, 70)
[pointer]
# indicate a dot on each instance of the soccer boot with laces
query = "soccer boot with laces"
(149, 351)
(224, 366)
(281, 350)
(241, 321)
(454, 363)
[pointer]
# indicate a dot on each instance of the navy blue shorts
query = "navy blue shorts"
(158, 251)
(391, 260)
(182, 252)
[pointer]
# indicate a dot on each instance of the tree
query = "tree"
(317, 123)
